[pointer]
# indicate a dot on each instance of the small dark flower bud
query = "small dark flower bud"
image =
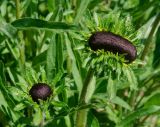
(40, 91)
(113, 43)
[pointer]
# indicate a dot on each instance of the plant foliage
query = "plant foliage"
(46, 41)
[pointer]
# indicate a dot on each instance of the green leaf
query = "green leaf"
(58, 77)
(43, 74)
(2, 71)
(39, 59)
(5, 92)
(11, 75)
(3, 101)
(12, 116)
(92, 121)
(59, 104)
(8, 30)
(77, 36)
(3, 8)
(90, 89)
(30, 23)
(111, 88)
(67, 121)
(131, 77)
(54, 57)
(59, 90)
(59, 50)
(137, 114)
(117, 100)
(52, 5)
(19, 107)
(76, 74)
(10, 48)
(112, 115)
(31, 76)
(94, 3)
(8, 105)
(153, 100)
(156, 58)
(81, 9)
(51, 59)
(37, 117)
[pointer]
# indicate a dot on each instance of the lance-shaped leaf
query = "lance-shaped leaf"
(137, 114)
(30, 23)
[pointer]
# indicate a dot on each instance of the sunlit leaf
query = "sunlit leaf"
(121, 102)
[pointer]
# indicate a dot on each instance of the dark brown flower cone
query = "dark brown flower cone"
(113, 43)
(40, 91)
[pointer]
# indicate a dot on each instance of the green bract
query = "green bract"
(109, 60)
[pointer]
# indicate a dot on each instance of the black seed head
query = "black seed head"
(40, 91)
(113, 43)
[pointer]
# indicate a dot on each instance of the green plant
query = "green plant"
(47, 42)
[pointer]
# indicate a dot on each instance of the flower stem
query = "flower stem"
(82, 114)
(43, 118)
(149, 40)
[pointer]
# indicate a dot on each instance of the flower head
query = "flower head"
(40, 91)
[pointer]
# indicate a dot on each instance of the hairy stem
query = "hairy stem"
(149, 40)
(82, 114)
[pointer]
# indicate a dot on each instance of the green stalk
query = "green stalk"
(17, 9)
(42, 121)
(21, 36)
(43, 116)
(149, 40)
(82, 114)
(81, 118)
